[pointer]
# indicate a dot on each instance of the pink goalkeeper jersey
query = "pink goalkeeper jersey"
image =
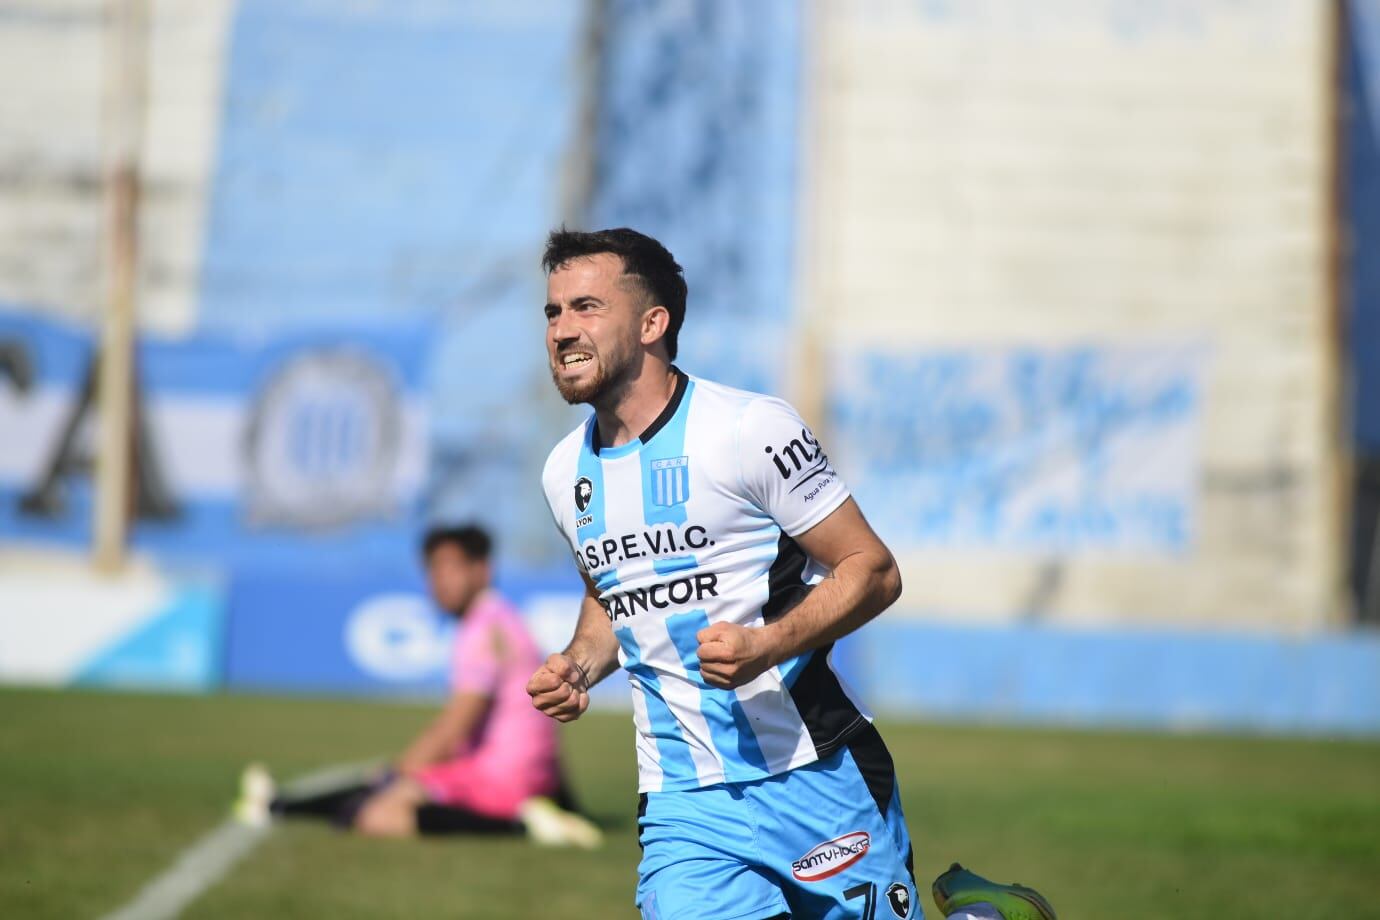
(495, 655)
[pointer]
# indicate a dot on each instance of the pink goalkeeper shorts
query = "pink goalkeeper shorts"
(495, 790)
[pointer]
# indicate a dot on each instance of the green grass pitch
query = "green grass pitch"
(99, 792)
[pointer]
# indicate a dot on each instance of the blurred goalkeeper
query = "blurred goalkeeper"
(487, 763)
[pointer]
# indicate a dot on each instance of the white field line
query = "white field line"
(198, 867)
(211, 858)
(333, 776)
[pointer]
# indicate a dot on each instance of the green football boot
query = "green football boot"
(960, 888)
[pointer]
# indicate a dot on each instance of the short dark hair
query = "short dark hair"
(656, 270)
(473, 540)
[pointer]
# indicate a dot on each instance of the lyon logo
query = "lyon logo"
(831, 857)
(584, 493)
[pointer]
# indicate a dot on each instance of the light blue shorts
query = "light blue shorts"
(827, 840)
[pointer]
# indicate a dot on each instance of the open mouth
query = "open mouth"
(575, 359)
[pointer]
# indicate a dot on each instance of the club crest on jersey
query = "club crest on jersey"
(584, 493)
(670, 481)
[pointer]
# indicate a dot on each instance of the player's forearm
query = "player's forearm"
(426, 749)
(448, 732)
(594, 647)
(860, 587)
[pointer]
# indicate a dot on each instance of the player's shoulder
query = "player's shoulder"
(565, 456)
(492, 604)
(725, 396)
(712, 390)
(742, 405)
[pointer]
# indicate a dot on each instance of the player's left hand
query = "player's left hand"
(731, 655)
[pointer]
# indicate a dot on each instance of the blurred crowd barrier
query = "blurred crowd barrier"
(1076, 295)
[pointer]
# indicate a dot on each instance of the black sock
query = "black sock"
(443, 819)
(564, 796)
(339, 805)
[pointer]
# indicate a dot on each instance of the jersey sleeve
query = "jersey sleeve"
(552, 491)
(785, 470)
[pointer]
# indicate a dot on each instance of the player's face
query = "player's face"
(455, 578)
(593, 322)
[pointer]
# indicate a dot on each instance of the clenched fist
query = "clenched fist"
(730, 655)
(559, 689)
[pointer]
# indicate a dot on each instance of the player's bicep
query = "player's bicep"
(843, 533)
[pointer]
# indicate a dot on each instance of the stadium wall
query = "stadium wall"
(52, 155)
(1070, 263)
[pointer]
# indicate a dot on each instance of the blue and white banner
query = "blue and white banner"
(423, 191)
(303, 442)
(345, 632)
(1040, 449)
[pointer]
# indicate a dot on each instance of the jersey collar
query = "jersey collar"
(658, 423)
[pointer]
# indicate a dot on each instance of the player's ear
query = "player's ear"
(655, 321)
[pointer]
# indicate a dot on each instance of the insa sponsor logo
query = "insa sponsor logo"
(806, 457)
(831, 857)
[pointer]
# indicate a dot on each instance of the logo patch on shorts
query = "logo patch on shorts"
(831, 857)
(898, 896)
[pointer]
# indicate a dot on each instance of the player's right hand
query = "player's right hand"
(558, 689)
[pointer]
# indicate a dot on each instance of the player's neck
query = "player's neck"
(639, 404)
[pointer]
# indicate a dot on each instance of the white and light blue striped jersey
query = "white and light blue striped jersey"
(692, 524)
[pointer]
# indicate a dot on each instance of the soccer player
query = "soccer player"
(722, 557)
(488, 763)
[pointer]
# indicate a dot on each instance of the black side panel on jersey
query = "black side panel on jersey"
(875, 764)
(828, 713)
(826, 710)
(641, 813)
(785, 580)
